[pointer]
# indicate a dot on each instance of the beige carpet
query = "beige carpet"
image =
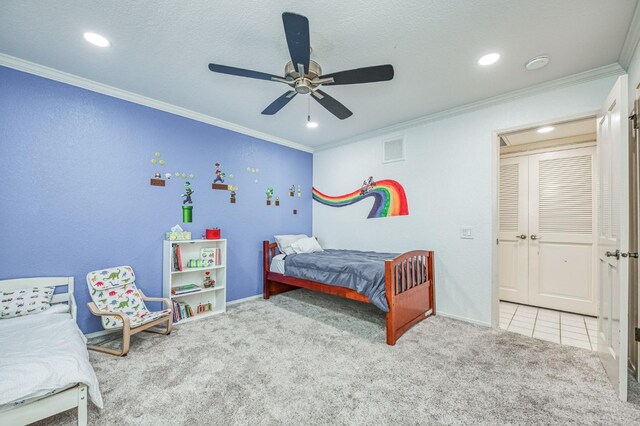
(309, 359)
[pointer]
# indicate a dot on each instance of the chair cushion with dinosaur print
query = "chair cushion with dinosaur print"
(110, 292)
(111, 278)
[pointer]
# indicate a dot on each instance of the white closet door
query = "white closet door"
(613, 235)
(562, 230)
(512, 244)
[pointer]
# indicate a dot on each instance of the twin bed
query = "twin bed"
(400, 285)
(44, 363)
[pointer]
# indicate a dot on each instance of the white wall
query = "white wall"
(450, 179)
(634, 76)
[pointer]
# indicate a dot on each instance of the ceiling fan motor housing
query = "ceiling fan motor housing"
(302, 83)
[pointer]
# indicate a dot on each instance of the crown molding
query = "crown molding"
(94, 86)
(631, 41)
(571, 80)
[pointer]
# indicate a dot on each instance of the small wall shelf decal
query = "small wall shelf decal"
(224, 187)
(390, 198)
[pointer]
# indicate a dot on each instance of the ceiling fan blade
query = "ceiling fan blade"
(296, 30)
(333, 106)
(241, 72)
(279, 103)
(361, 75)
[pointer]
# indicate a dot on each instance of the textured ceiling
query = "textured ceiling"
(160, 49)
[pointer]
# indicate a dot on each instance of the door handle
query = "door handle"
(615, 254)
(522, 236)
(535, 237)
(630, 255)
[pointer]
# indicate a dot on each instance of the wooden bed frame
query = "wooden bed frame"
(409, 282)
(67, 398)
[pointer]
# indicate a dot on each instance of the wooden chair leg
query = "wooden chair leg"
(124, 347)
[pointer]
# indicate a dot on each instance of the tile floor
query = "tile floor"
(553, 326)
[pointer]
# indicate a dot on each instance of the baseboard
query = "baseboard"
(245, 299)
(458, 317)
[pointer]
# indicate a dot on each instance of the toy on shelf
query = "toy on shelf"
(277, 201)
(292, 191)
(212, 234)
(178, 234)
(269, 195)
(232, 200)
(208, 282)
(197, 263)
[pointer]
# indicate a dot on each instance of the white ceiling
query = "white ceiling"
(161, 49)
(569, 129)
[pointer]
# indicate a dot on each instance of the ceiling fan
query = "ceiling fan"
(304, 75)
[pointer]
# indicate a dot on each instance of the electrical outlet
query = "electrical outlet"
(466, 232)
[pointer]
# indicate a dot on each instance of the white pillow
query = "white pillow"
(284, 242)
(25, 301)
(306, 245)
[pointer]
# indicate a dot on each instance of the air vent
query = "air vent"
(393, 150)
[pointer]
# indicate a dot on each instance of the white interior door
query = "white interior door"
(613, 228)
(513, 251)
(562, 230)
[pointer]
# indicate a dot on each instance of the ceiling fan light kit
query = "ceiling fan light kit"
(304, 75)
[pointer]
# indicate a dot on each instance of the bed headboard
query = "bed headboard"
(65, 296)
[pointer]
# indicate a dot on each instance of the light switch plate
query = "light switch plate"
(466, 232)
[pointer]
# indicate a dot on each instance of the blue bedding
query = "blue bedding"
(362, 271)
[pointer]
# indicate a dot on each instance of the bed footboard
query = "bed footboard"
(410, 291)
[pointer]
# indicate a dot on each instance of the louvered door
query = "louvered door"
(513, 243)
(562, 231)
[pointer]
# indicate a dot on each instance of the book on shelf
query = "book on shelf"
(184, 289)
(184, 310)
(177, 258)
(211, 255)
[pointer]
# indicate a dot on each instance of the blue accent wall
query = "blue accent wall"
(75, 195)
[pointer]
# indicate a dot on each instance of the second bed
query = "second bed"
(401, 285)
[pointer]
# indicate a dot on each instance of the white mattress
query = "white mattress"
(277, 264)
(40, 354)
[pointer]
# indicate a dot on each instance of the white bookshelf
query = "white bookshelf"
(190, 249)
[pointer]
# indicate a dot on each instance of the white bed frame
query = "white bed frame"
(46, 406)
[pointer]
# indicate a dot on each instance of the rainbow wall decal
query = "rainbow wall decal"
(390, 199)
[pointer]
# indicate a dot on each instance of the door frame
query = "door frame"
(495, 208)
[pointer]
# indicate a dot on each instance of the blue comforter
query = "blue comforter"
(362, 271)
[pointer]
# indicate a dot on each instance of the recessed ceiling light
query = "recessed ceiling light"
(546, 129)
(537, 62)
(96, 39)
(489, 59)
